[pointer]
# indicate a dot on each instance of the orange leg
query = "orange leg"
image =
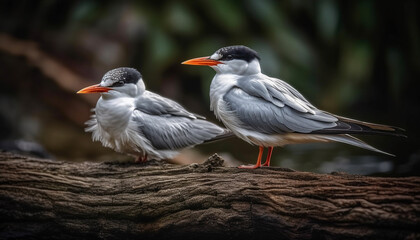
(267, 162)
(258, 164)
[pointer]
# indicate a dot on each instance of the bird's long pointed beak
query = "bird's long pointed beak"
(94, 89)
(203, 61)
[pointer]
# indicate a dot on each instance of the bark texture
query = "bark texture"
(44, 199)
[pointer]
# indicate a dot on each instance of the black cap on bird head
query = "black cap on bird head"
(237, 52)
(122, 75)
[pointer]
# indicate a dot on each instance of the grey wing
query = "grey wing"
(168, 132)
(155, 104)
(272, 109)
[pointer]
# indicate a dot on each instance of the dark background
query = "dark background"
(358, 59)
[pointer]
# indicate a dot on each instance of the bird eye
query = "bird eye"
(118, 84)
(229, 57)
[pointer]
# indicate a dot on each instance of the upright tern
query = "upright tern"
(268, 112)
(132, 120)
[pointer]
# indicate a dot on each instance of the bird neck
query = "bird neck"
(253, 68)
(220, 84)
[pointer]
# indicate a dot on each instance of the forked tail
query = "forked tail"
(348, 139)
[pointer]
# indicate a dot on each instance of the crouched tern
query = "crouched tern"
(132, 120)
(268, 112)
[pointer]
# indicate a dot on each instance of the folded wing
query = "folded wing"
(272, 109)
(168, 126)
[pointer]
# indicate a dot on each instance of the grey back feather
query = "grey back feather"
(274, 107)
(155, 104)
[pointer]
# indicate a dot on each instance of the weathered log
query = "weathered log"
(54, 199)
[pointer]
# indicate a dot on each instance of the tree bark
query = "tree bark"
(42, 199)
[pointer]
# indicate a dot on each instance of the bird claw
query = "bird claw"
(141, 159)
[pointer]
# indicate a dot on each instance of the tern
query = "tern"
(134, 121)
(268, 112)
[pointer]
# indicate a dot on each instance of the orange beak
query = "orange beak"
(94, 89)
(202, 61)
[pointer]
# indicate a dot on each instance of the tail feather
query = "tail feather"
(352, 126)
(226, 134)
(348, 139)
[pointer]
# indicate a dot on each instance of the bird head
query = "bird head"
(239, 60)
(117, 83)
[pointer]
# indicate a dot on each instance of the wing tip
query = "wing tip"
(374, 128)
(225, 134)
